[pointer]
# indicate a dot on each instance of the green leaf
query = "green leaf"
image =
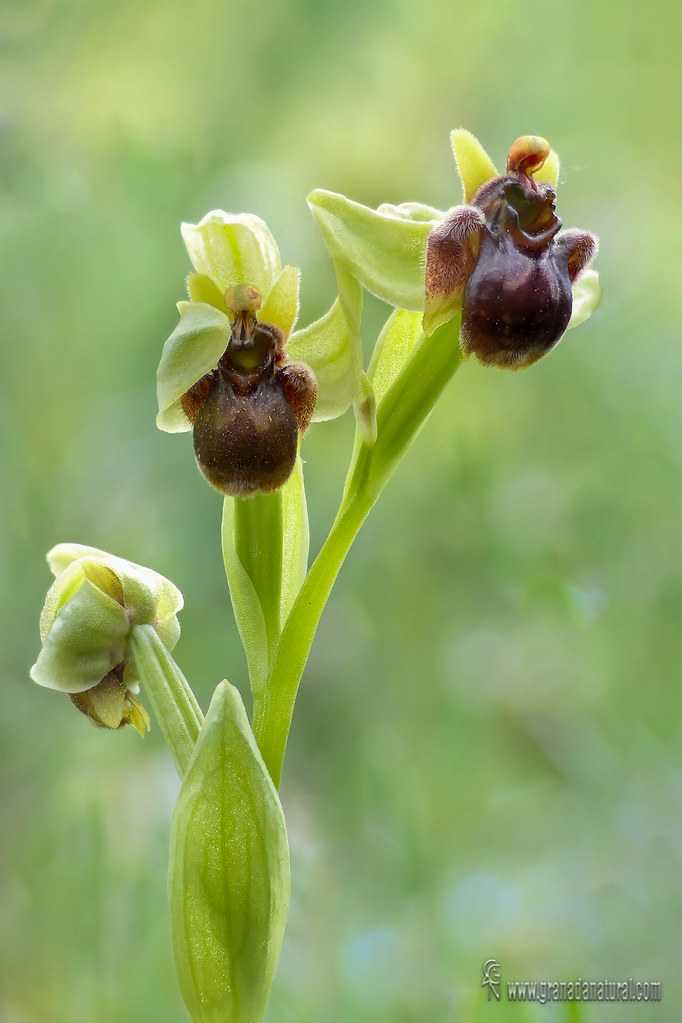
(248, 612)
(229, 871)
(383, 249)
(233, 248)
(334, 356)
(194, 347)
(265, 549)
(402, 333)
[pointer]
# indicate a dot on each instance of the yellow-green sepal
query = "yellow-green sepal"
(191, 351)
(281, 305)
(84, 634)
(384, 249)
(333, 351)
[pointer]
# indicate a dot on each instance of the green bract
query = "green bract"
(229, 871)
(226, 250)
(89, 613)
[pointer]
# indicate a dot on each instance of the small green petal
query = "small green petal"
(233, 248)
(281, 306)
(201, 288)
(383, 249)
(67, 584)
(549, 172)
(326, 346)
(473, 163)
(586, 297)
(86, 640)
(105, 704)
(194, 347)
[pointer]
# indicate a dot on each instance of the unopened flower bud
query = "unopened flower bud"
(86, 625)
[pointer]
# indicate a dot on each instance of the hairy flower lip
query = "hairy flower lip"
(476, 253)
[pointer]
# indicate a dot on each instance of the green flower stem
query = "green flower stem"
(274, 706)
(400, 416)
(169, 694)
(259, 536)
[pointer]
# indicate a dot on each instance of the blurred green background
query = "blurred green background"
(485, 756)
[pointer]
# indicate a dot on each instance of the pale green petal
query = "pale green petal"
(87, 638)
(473, 163)
(194, 347)
(326, 346)
(586, 297)
(66, 585)
(281, 305)
(201, 288)
(384, 250)
(233, 248)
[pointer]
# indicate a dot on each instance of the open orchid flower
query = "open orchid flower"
(503, 258)
(226, 372)
(500, 259)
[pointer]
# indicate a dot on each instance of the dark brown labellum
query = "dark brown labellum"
(245, 442)
(518, 298)
(249, 410)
